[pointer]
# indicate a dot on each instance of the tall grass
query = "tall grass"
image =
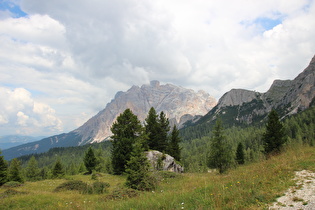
(252, 186)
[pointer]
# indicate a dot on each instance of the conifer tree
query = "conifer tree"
(138, 168)
(164, 128)
(58, 170)
(3, 170)
(126, 130)
(274, 136)
(82, 168)
(32, 170)
(220, 151)
(173, 148)
(14, 171)
(152, 128)
(240, 155)
(90, 160)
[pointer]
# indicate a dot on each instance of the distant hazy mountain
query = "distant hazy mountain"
(178, 103)
(243, 107)
(15, 140)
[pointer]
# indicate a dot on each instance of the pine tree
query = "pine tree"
(32, 170)
(240, 155)
(220, 151)
(125, 131)
(3, 170)
(14, 172)
(138, 169)
(152, 128)
(164, 128)
(82, 168)
(58, 170)
(274, 136)
(90, 160)
(173, 148)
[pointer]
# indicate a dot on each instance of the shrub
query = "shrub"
(11, 192)
(72, 185)
(12, 184)
(82, 187)
(100, 187)
(121, 193)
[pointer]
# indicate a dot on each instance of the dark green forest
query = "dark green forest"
(194, 153)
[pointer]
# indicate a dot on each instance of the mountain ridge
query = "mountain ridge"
(243, 107)
(178, 103)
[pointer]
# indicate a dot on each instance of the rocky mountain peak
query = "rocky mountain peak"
(174, 101)
(236, 97)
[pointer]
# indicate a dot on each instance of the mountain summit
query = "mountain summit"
(287, 97)
(178, 103)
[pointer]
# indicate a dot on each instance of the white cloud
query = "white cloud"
(75, 55)
(21, 114)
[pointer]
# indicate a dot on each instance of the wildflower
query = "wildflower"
(183, 203)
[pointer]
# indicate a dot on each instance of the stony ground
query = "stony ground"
(300, 196)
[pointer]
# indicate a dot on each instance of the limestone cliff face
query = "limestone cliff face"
(236, 97)
(179, 104)
(285, 96)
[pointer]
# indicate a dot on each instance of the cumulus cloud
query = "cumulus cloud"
(19, 113)
(77, 54)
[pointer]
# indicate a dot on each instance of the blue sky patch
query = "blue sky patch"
(263, 22)
(13, 8)
(267, 23)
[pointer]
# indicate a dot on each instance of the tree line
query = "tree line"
(131, 138)
(248, 144)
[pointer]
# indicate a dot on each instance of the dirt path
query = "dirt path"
(300, 196)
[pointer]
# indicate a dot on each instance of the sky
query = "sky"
(62, 61)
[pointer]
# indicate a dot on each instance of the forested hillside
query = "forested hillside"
(300, 129)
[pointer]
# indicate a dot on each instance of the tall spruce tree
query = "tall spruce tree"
(164, 128)
(58, 170)
(14, 171)
(173, 147)
(240, 155)
(152, 128)
(138, 168)
(3, 170)
(90, 160)
(126, 130)
(32, 170)
(220, 151)
(274, 136)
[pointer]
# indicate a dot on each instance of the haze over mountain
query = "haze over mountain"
(178, 103)
(15, 140)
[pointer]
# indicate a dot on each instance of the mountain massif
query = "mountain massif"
(244, 107)
(178, 103)
(194, 112)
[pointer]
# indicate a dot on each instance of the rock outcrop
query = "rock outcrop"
(165, 162)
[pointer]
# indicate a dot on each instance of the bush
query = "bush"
(100, 187)
(12, 184)
(121, 193)
(72, 185)
(11, 192)
(96, 188)
(84, 188)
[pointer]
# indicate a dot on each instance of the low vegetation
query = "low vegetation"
(250, 167)
(250, 186)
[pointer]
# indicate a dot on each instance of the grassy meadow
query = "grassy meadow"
(251, 186)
